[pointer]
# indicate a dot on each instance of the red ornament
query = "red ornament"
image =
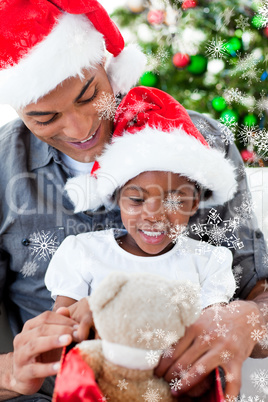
(188, 4)
(181, 60)
(248, 156)
(265, 31)
(156, 17)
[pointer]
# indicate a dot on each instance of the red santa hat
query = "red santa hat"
(43, 42)
(153, 132)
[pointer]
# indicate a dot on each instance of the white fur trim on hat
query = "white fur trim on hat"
(72, 45)
(125, 69)
(153, 150)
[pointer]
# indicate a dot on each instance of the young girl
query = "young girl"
(159, 170)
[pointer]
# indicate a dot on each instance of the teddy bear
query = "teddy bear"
(138, 317)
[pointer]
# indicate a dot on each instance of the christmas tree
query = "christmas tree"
(210, 56)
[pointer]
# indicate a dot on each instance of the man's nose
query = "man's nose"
(77, 126)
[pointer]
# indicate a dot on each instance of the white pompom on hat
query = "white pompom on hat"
(153, 132)
(44, 42)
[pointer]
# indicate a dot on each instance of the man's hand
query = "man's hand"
(34, 351)
(81, 313)
(222, 336)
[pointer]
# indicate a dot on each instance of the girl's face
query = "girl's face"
(155, 208)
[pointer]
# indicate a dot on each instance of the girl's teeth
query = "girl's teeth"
(153, 234)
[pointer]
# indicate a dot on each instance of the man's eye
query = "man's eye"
(91, 98)
(46, 123)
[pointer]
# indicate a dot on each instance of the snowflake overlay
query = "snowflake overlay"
(215, 49)
(106, 106)
(43, 245)
(122, 384)
(29, 269)
(219, 232)
(260, 379)
(152, 395)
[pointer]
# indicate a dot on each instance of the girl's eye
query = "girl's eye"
(46, 123)
(172, 203)
(91, 98)
(136, 200)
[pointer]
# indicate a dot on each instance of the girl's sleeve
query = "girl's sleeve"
(216, 277)
(66, 274)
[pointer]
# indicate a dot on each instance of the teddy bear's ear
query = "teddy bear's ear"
(107, 290)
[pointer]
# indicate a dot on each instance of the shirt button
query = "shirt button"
(258, 234)
(25, 242)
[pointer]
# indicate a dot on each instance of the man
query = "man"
(52, 72)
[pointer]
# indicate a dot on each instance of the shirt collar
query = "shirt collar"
(41, 153)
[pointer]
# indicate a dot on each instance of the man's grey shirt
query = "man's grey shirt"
(36, 215)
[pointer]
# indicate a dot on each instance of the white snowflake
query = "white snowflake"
(225, 356)
(29, 268)
(237, 271)
(242, 22)
(211, 139)
(217, 231)
(175, 384)
(228, 137)
(247, 134)
(221, 330)
(265, 285)
(248, 62)
(122, 384)
(252, 74)
(159, 333)
(206, 337)
(257, 335)
(43, 245)
(227, 123)
(217, 308)
(202, 125)
(262, 104)
(157, 59)
(152, 357)
(215, 49)
(106, 106)
(227, 14)
(184, 373)
(152, 395)
(170, 338)
(263, 11)
(253, 319)
(232, 95)
(200, 368)
(245, 210)
(176, 232)
(229, 377)
(261, 143)
(172, 203)
(146, 335)
(244, 398)
(260, 379)
(168, 352)
(264, 310)
(264, 341)
(234, 306)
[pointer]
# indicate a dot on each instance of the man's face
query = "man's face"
(73, 117)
